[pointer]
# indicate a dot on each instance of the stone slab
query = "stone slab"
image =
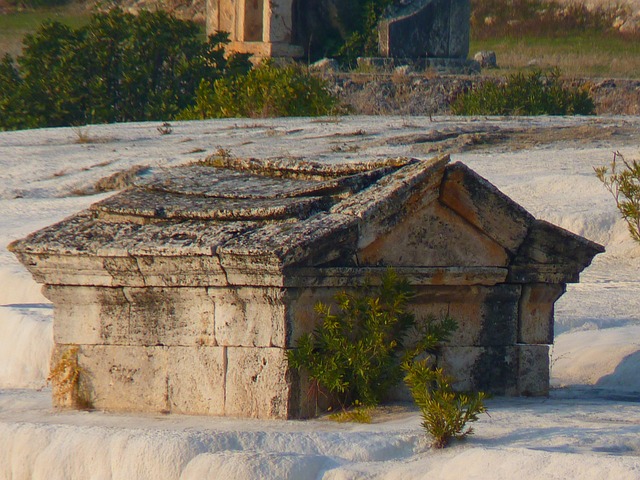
(380, 207)
(485, 207)
(533, 370)
(485, 315)
(322, 238)
(536, 319)
(168, 205)
(434, 236)
(124, 378)
(548, 244)
(258, 383)
(249, 316)
(132, 316)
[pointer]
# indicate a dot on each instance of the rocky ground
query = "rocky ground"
(429, 94)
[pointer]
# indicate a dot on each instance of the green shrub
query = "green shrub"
(624, 185)
(118, 68)
(533, 93)
(357, 353)
(266, 91)
(445, 413)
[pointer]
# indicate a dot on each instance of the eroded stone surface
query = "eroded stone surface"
(257, 383)
(485, 207)
(434, 236)
(536, 312)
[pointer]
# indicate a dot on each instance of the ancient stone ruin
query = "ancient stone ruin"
(259, 27)
(184, 293)
(434, 31)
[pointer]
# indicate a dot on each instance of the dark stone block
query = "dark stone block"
(426, 28)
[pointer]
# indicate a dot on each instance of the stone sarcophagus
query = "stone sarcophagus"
(184, 293)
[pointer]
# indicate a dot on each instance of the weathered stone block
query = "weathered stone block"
(492, 370)
(195, 380)
(536, 312)
(85, 315)
(484, 314)
(66, 269)
(533, 370)
(458, 362)
(486, 59)
(257, 383)
(193, 271)
(249, 317)
(547, 244)
(132, 316)
(124, 378)
(434, 236)
(485, 207)
(301, 315)
(170, 316)
(379, 208)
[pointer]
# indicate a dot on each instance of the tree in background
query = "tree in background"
(118, 68)
(622, 179)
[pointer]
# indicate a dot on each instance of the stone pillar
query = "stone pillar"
(261, 28)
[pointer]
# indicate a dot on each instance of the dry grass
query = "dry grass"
(578, 56)
(14, 25)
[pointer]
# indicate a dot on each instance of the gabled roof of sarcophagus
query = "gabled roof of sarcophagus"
(240, 221)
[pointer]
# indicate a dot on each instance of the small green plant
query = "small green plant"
(363, 40)
(266, 91)
(445, 413)
(354, 354)
(623, 182)
(360, 353)
(357, 353)
(534, 93)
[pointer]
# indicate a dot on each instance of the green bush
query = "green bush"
(445, 413)
(624, 185)
(118, 68)
(357, 353)
(360, 353)
(533, 93)
(266, 91)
